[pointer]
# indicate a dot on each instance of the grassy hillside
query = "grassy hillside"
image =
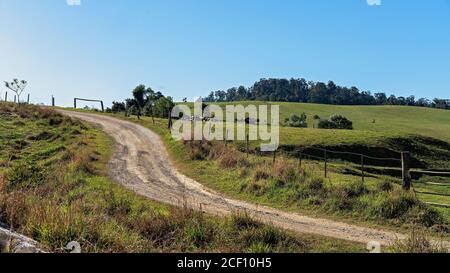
(388, 119)
(379, 131)
(54, 187)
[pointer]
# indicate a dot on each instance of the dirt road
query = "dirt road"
(141, 163)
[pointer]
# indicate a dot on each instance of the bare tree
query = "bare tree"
(17, 86)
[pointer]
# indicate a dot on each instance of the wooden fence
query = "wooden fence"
(403, 162)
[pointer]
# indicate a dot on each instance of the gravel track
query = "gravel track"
(141, 163)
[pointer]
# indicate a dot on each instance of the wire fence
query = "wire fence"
(398, 168)
(326, 158)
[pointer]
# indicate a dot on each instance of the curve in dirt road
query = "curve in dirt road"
(141, 163)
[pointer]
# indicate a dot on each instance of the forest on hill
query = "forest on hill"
(301, 90)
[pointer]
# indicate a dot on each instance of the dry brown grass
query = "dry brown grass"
(82, 161)
(418, 242)
(229, 159)
(261, 172)
(199, 150)
(284, 171)
(164, 231)
(45, 112)
(13, 206)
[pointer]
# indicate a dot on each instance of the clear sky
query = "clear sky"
(187, 48)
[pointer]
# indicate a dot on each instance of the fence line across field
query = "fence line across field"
(355, 154)
(301, 154)
(406, 178)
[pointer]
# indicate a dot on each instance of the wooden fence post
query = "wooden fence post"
(75, 103)
(362, 168)
(28, 99)
(209, 130)
(300, 159)
(226, 139)
(14, 98)
(53, 101)
(170, 121)
(247, 144)
(103, 108)
(6, 96)
(274, 156)
(406, 177)
(326, 164)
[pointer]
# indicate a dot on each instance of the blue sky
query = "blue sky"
(187, 48)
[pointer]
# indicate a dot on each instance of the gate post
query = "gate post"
(406, 177)
(362, 169)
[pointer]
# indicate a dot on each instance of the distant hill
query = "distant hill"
(300, 90)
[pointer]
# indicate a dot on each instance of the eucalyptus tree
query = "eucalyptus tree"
(17, 86)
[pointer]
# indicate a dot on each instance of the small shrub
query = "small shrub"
(312, 187)
(14, 209)
(117, 206)
(23, 112)
(24, 174)
(394, 205)
(198, 232)
(261, 173)
(385, 186)
(339, 201)
(325, 124)
(341, 122)
(284, 172)
(297, 121)
(229, 159)
(347, 197)
(255, 188)
(315, 185)
(266, 235)
(259, 248)
(199, 150)
(45, 113)
(244, 221)
(418, 242)
(54, 226)
(355, 189)
(157, 228)
(425, 216)
(215, 152)
(82, 162)
(336, 122)
(55, 121)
